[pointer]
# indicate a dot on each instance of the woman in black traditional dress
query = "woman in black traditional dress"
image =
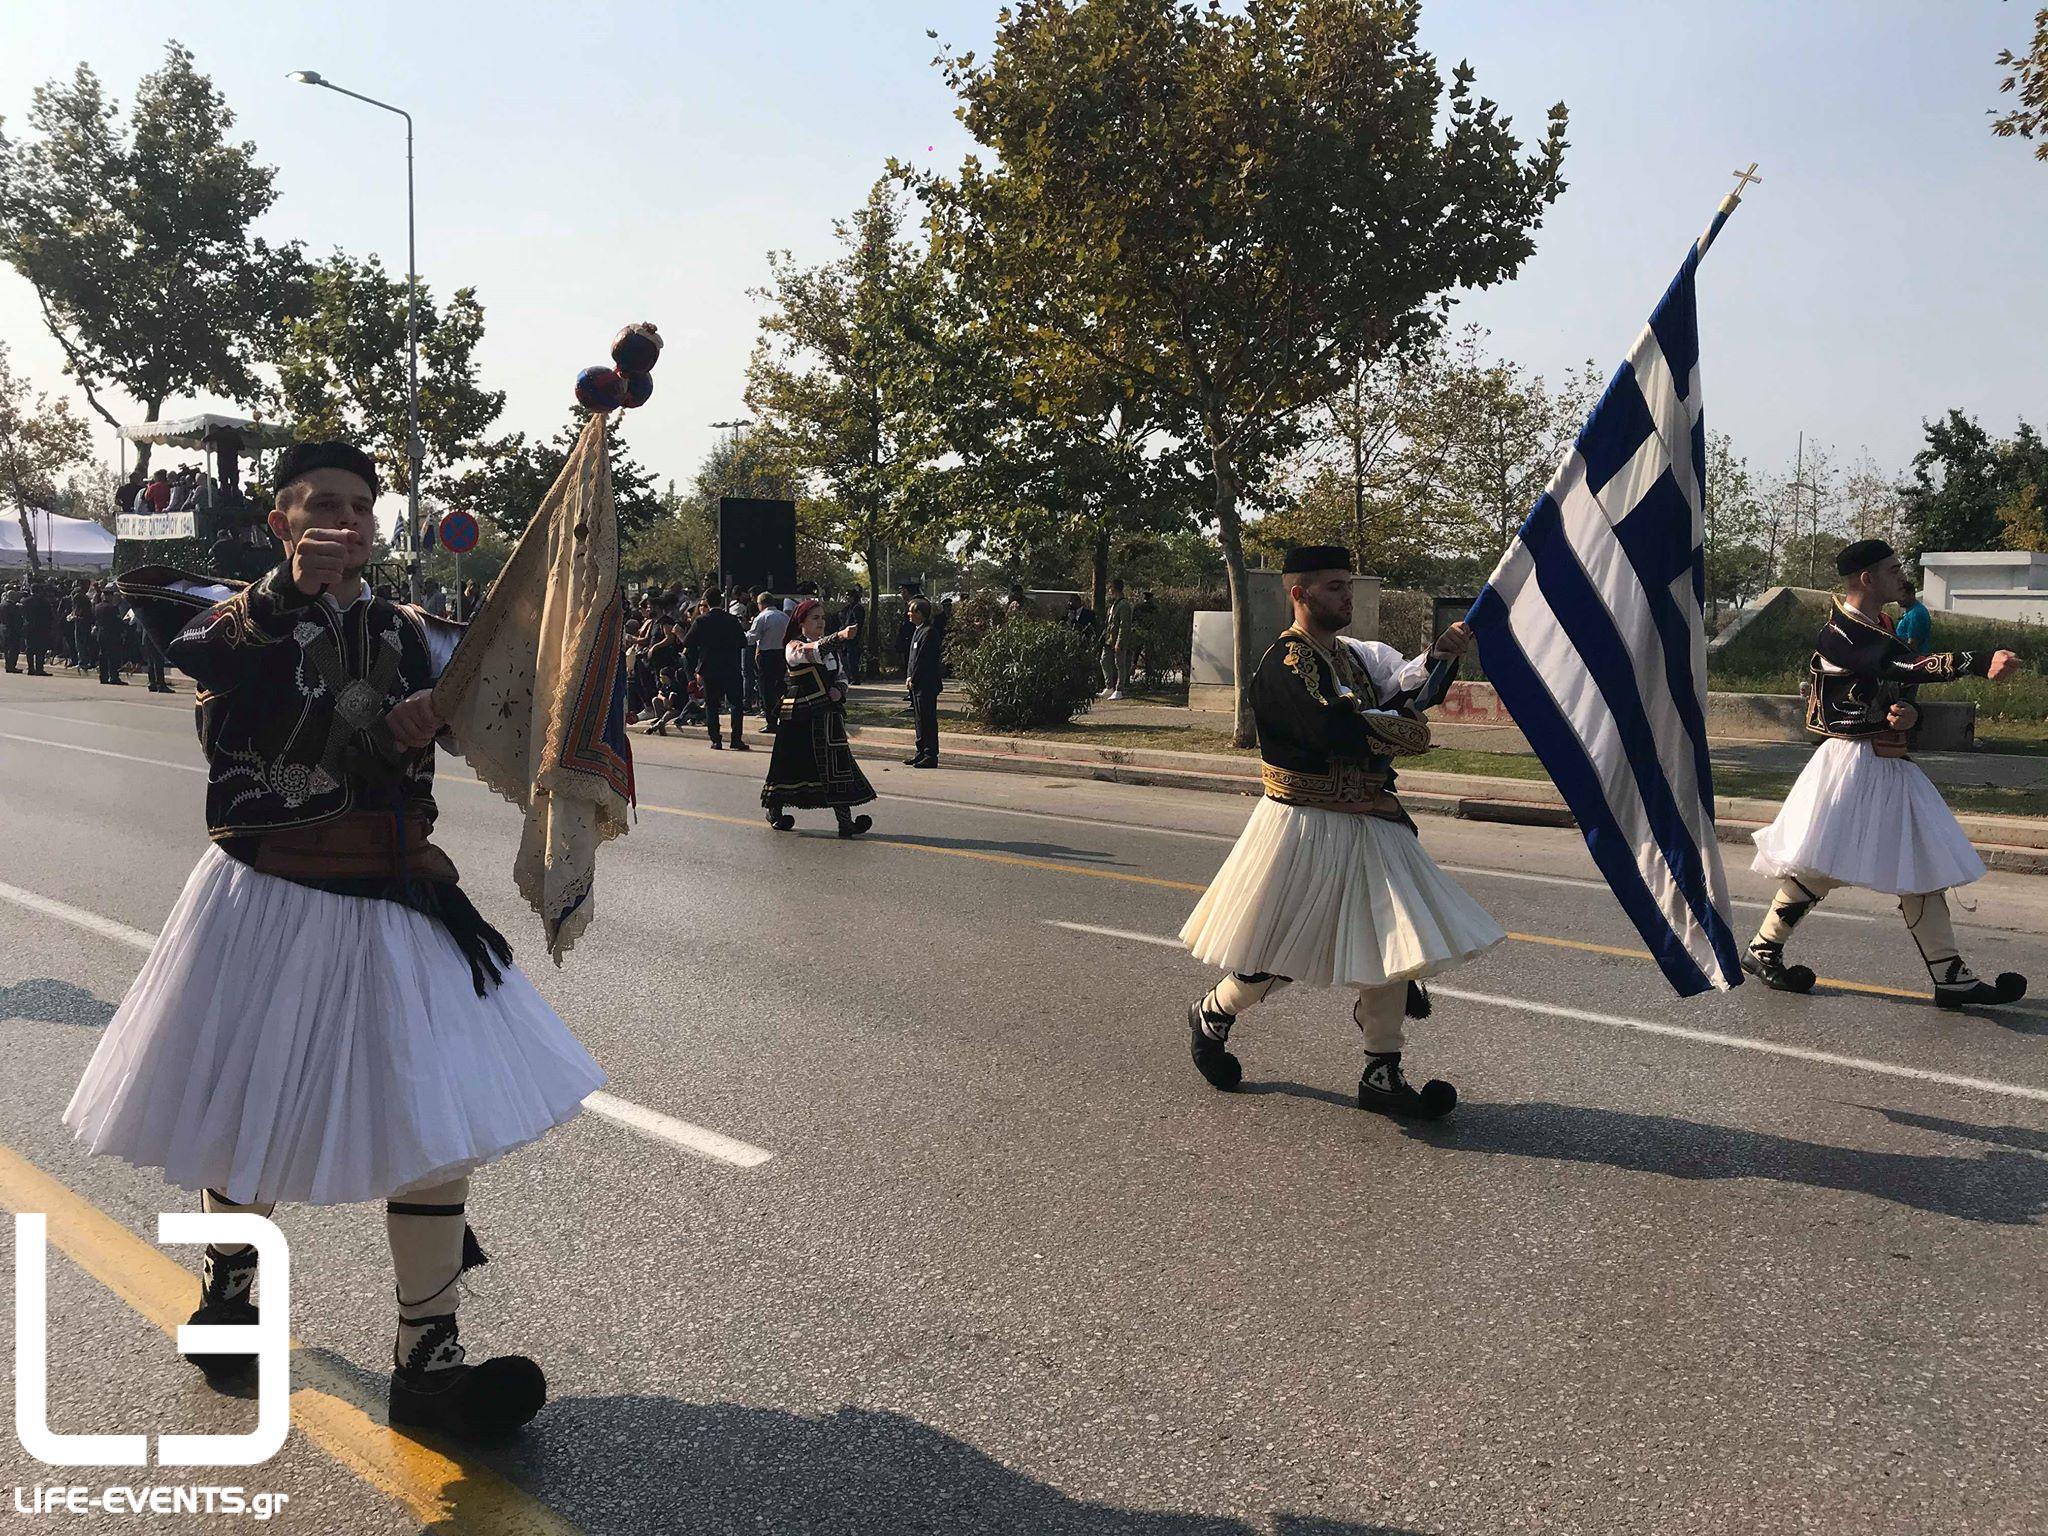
(813, 765)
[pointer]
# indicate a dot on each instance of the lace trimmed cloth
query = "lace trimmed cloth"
(535, 695)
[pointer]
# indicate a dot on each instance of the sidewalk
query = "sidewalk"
(2016, 844)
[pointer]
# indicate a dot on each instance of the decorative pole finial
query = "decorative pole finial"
(1728, 205)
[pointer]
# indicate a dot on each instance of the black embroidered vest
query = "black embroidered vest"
(1321, 740)
(288, 689)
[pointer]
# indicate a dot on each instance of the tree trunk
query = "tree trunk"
(28, 540)
(151, 411)
(1101, 595)
(1244, 728)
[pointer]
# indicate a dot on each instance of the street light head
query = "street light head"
(306, 77)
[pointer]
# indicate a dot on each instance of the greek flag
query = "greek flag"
(1590, 629)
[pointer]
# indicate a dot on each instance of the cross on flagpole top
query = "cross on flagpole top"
(1743, 182)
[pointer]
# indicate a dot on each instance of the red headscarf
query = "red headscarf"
(803, 611)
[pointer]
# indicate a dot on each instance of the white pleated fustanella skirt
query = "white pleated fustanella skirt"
(1333, 899)
(283, 1043)
(1866, 820)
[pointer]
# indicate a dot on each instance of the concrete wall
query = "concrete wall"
(2013, 607)
(1769, 600)
(1948, 575)
(1212, 668)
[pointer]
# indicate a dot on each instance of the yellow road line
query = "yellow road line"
(1055, 866)
(328, 1408)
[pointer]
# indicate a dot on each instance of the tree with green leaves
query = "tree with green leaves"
(40, 438)
(844, 389)
(1962, 477)
(2027, 79)
(341, 370)
(511, 476)
(2023, 520)
(1736, 519)
(1362, 439)
(1482, 437)
(1385, 538)
(135, 237)
(1061, 463)
(1226, 208)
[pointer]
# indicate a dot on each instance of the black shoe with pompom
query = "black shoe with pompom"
(1766, 962)
(434, 1388)
(1383, 1090)
(2010, 987)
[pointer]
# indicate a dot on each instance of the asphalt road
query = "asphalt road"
(1744, 1263)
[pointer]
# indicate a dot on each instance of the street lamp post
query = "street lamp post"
(415, 450)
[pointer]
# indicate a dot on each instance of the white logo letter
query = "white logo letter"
(271, 1336)
(32, 1364)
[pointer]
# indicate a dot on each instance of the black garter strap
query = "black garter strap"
(473, 1256)
(414, 1208)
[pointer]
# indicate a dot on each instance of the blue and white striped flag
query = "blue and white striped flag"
(1591, 631)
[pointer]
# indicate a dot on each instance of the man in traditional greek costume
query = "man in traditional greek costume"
(325, 1017)
(1329, 884)
(1862, 811)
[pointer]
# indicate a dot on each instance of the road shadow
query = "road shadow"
(2023, 1137)
(46, 1001)
(1021, 849)
(624, 1466)
(649, 1466)
(1294, 1090)
(2000, 1188)
(656, 1465)
(2026, 1017)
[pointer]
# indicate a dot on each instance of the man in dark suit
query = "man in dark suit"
(38, 626)
(712, 645)
(910, 592)
(108, 635)
(11, 626)
(925, 672)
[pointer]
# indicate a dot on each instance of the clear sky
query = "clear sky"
(587, 166)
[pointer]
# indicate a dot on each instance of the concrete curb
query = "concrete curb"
(2009, 844)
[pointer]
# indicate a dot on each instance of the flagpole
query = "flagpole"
(1728, 205)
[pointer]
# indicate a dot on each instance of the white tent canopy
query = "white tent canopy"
(62, 543)
(191, 431)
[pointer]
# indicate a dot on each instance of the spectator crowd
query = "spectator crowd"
(81, 624)
(697, 658)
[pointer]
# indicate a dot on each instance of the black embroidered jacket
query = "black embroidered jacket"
(289, 687)
(1860, 669)
(1328, 732)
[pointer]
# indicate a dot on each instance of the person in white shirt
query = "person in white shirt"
(765, 638)
(742, 608)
